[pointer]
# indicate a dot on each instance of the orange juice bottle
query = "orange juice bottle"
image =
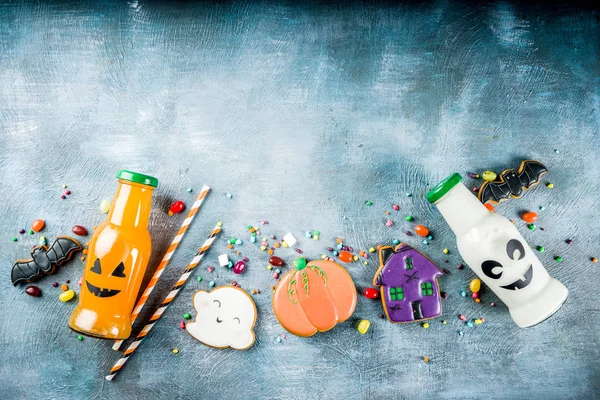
(118, 254)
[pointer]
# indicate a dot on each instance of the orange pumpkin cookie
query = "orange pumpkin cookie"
(314, 297)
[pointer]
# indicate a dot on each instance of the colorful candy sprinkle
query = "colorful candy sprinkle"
(530, 217)
(396, 207)
(475, 285)
(105, 206)
(33, 291)
(409, 218)
(66, 295)
(421, 230)
(549, 185)
(187, 316)
(594, 260)
(239, 267)
(389, 223)
(425, 325)
(489, 207)
(488, 176)
(371, 293)
(558, 258)
(276, 261)
(345, 256)
(38, 225)
(79, 230)
(363, 326)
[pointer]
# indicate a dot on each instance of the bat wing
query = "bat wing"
(530, 173)
(24, 271)
(62, 250)
(494, 192)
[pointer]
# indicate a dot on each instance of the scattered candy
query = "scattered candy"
(445, 251)
(105, 206)
(460, 333)
(549, 185)
(187, 316)
(475, 285)
(459, 266)
(199, 279)
(176, 207)
(493, 304)
(276, 261)
(568, 241)
(363, 326)
(594, 260)
(79, 337)
(239, 267)
(211, 283)
(175, 351)
(223, 260)
(38, 225)
(425, 325)
(531, 227)
(55, 284)
(396, 242)
(409, 218)
(371, 293)
(389, 223)
(14, 239)
(470, 324)
(530, 217)
(426, 359)
(64, 287)
(63, 197)
(489, 207)
(345, 256)
(229, 195)
(462, 317)
(463, 293)
(396, 207)
(558, 258)
(475, 295)
(79, 230)
(189, 190)
(275, 275)
(182, 325)
(479, 321)
(473, 175)
(541, 249)
(367, 202)
(289, 239)
(66, 295)
(421, 230)
(33, 291)
(488, 176)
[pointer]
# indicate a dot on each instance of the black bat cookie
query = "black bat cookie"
(511, 183)
(44, 260)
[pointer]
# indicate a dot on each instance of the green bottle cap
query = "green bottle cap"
(443, 187)
(137, 178)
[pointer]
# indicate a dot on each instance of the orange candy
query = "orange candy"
(38, 225)
(489, 207)
(345, 256)
(421, 230)
(530, 217)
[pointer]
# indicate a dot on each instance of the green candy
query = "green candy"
(558, 259)
(409, 218)
(187, 316)
(199, 279)
(541, 249)
(299, 263)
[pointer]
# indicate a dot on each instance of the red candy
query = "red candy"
(421, 230)
(239, 267)
(345, 256)
(530, 217)
(371, 293)
(177, 207)
(33, 291)
(79, 230)
(489, 207)
(276, 261)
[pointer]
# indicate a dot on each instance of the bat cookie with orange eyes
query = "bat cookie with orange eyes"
(44, 260)
(511, 183)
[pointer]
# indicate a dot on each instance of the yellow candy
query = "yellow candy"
(316, 237)
(323, 256)
(366, 262)
(66, 295)
(285, 244)
(488, 176)
(269, 267)
(263, 248)
(478, 321)
(372, 250)
(104, 206)
(446, 251)
(363, 326)
(219, 223)
(425, 325)
(550, 185)
(475, 285)
(355, 258)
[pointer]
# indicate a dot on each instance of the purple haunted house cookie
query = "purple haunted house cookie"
(408, 283)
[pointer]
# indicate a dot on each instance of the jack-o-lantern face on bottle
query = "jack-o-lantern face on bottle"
(107, 281)
(521, 270)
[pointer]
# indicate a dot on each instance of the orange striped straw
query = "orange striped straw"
(165, 304)
(163, 264)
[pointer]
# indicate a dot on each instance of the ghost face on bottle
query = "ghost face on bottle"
(510, 269)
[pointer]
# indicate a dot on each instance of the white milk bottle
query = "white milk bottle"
(495, 250)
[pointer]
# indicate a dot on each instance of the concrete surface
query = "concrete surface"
(301, 112)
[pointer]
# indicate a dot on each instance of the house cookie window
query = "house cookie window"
(408, 263)
(396, 293)
(427, 289)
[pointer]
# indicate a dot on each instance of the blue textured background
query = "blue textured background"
(302, 112)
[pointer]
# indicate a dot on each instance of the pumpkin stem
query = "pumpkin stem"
(299, 263)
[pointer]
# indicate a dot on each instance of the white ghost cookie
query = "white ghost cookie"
(226, 318)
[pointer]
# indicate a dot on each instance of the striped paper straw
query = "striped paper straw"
(163, 264)
(156, 316)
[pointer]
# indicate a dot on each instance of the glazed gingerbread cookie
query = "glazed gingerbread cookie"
(407, 280)
(314, 297)
(226, 318)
